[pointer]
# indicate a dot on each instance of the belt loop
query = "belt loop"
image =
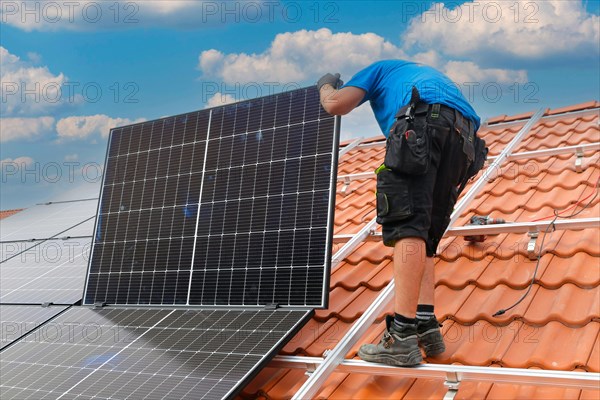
(435, 110)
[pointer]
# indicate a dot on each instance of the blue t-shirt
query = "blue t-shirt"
(389, 84)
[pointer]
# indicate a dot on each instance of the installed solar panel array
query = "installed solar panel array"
(128, 353)
(43, 260)
(228, 206)
(45, 251)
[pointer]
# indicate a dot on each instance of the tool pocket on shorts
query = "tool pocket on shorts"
(408, 148)
(394, 202)
(480, 152)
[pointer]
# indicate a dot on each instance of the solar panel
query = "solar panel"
(145, 353)
(45, 221)
(18, 320)
(46, 271)
(88, 189)
(227, 206)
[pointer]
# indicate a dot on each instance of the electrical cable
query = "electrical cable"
(573, 206)
(539, 255)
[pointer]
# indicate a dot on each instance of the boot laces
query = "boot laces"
(387, 340)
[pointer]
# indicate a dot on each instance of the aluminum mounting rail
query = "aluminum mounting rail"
(310, 388)
(520, 376)
(356, 177)
(378, 143)
(352, 243)
(349, 147)
(523, 155)
(524, 227)
(511, 227)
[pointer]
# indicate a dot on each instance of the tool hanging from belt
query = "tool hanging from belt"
(415, 98)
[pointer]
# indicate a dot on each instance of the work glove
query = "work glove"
(333, 80)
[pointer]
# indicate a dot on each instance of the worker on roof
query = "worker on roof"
(431, 151)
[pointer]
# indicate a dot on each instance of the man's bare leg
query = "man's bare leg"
(409, 268)
(428, 330)
(399, 344)
(426, 293)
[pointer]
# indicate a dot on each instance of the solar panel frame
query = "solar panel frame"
(181, 136)
(126, 352)
(19, 320)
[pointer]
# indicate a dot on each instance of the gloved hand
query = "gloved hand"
(333, 80)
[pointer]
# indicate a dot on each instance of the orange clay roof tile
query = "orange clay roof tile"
(579, 269)
(575, 107)
(569, 304)
(8, 213)
(504, 391)
(538, 347)
(556, 326)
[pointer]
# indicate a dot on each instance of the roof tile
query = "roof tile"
(579, 269)
(8, 213)
(480, 343)
(537, 346)
(569, 304)
(574, 107)
(505, 391)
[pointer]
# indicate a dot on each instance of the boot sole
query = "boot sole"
(414, 358)
(431, 344)
(433, 350)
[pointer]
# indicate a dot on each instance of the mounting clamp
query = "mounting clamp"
(344, 189)
(99, 304)
(452, 383)
(531, 253)
(579, 160)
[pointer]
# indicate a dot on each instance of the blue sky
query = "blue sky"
(85, 72)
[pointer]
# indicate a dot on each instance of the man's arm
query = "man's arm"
(342, 101)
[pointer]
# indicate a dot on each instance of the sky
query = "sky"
(72, 70)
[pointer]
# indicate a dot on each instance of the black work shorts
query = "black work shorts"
(416, 198)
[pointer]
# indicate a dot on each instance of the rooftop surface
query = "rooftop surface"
(556, 327)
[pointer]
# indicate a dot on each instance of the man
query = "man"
(430, 129)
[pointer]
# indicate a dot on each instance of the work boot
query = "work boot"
(430, 337)
(398, 346)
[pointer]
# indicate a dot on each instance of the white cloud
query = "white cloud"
(29, 90)
(220, 99)
(522, 29)
(299, 56)
(82, 127)
(467, 71)
(303, 55)
(18, 162)
(87, 15)
(72, 157)
(24, 128)
(34, 57)
(359, 123)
